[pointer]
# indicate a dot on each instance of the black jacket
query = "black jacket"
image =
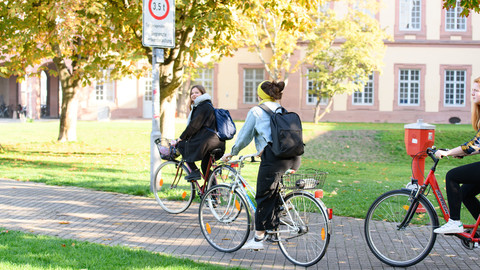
(197, 141)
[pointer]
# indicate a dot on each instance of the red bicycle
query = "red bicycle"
(175, 194)
(399, 224)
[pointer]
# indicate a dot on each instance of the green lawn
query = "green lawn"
(20, 251)
(115, 156)
(363, 160)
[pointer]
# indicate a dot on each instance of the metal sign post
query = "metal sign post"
(158, 32)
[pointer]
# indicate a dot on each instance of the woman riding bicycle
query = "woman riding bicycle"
(466, 174)
(198, 138)
(257, 126)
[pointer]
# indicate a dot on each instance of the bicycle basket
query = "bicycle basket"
(305, 180)
(166, 149)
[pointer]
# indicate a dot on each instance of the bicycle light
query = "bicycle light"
(319, 194)
(330, 213)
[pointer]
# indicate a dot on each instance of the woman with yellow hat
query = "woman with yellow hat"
(257, 126)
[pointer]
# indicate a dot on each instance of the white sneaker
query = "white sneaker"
(452, 226)
(254, 244)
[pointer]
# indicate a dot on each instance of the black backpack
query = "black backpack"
(286, 132)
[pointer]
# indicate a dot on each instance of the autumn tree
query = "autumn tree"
(467, 5)
(79, 37)
(84, 37)
(273, 29)
(344, 52)
(202, 27)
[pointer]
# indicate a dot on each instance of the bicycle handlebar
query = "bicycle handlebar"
(242, 159)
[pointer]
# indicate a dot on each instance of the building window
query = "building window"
(204, 77)
(454, 87)
(148, 96)
(312, 97)
(252, 77)
(454, 21)
(410, 15)
(104, 89)
(409, 87)
(365, 97)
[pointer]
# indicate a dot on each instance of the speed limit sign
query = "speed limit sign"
(159, 23)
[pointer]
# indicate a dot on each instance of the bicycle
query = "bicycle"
(399, 224)
(173, 193)
(226, 216)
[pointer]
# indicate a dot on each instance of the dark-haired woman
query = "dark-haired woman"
(198, 139)
(257, 126)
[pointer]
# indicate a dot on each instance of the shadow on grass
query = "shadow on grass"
(77, 174)
(45, 252)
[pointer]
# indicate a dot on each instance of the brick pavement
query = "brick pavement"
(119, 219)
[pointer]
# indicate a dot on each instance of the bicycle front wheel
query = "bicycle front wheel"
(303, 233)
(405, 246)
(221, 174)
(172, 192)
(224, 217)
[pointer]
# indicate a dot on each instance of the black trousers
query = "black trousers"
(469, 176)
(269, 175)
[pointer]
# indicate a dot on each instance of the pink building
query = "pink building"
(427, 73)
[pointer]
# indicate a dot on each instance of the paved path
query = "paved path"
(118, 219)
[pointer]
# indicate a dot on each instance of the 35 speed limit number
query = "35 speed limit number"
(159, 9)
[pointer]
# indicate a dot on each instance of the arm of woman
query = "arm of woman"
(199, 117)
(245, 135)
(471, 147)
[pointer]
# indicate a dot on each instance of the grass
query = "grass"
(30, 252)
(363, 160)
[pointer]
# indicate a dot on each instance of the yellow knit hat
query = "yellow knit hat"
(262, 94)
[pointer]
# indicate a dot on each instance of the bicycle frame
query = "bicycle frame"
(200, 188)
(432, 181)
(245, 190)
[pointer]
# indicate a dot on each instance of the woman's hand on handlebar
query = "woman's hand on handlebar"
(441, 153)
(226, 157)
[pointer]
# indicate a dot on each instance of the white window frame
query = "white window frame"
(410, 15)
(204, 77)
(311, 99)
(454, 21)
(250, 83)
(366, 96)
(148, 91)
(409, 87)
(454, 88)
(105, 88)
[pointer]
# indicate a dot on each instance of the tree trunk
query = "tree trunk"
(316, 112)
(167, 118)
(327, 110)
(68, 117)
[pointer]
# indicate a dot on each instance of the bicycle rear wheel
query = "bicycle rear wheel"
(221, 174)
(400, 247)
(172, 192)
(303, 233)
(224, 218)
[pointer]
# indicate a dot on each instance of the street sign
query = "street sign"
(159, 23)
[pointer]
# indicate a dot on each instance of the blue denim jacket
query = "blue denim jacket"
(257, 125)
